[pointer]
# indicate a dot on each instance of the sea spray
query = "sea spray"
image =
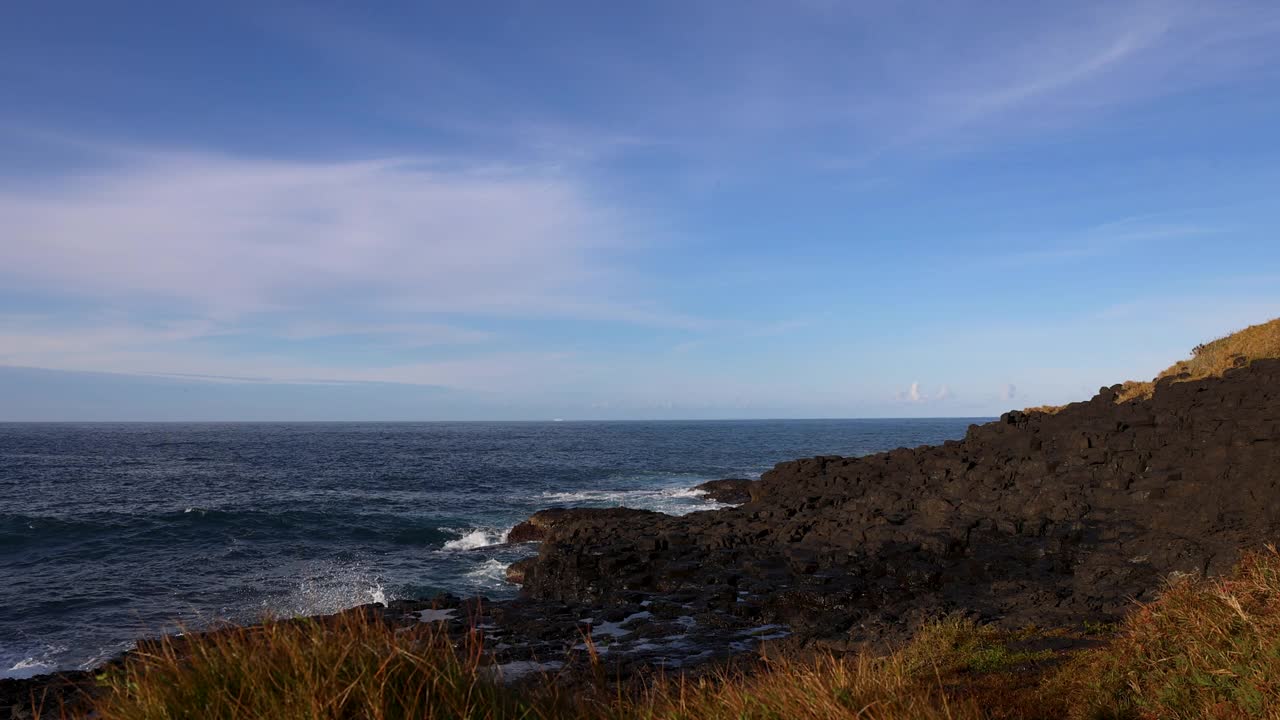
(475, 538)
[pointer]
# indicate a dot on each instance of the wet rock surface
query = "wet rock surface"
(642, 633)
(45, 695)
(536, 528)
(1050, 519)
(730, 491)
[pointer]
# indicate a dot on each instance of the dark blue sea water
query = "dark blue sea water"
(109, 532)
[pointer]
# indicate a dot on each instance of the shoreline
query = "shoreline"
(1052, 520)
(526, 636)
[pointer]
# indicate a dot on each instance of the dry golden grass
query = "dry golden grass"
(357, 667)
(1047, 409)
(1214, 358)
(1211, 359)
(351, 667)
(360, 668)
(1205, 649)
(863, 686)
(1234, 350)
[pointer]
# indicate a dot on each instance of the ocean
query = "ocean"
(114, 531)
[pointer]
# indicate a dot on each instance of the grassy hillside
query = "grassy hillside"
(1205, 649)
(1208, 360)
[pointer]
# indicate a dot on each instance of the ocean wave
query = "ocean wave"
(107, 653)
(475, 538)
(488, 575)
(329, 588)
(670, 500)
(30, 662)
(194, 522)
(29, 667)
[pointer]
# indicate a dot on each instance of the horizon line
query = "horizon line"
(548, 421)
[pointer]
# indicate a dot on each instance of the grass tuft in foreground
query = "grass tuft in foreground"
(352, 666)
(1205, 649)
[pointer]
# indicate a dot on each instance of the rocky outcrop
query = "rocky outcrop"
(730, 491)
(55, 695)
(515, 572)
(535, 529)
(1037, 518)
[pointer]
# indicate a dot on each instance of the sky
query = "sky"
(520, 210)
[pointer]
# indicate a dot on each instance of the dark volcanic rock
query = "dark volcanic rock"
(730, 491)
(517, 569)
(1036, 518)
(540, 523)
(53, 695)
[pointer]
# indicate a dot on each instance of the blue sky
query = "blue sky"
(601, 210)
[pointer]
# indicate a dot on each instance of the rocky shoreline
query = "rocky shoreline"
(1046, 519)
(525, 637)
(1039, 519)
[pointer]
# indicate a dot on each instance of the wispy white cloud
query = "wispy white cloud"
(167, 351)
(23, 339)
(172, 250)
(413, 334)
(872, 79)
(1111, 238)
(221, 236)
(977, 75)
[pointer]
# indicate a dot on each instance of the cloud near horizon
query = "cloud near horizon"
(916, 394)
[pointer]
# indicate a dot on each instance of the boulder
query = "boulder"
(517, 569)
(730, 491)
(541, 523)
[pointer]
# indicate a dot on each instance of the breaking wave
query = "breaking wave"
(671, 500)
(29, 662)
(490, 574)
(475, 538)
(329, 588)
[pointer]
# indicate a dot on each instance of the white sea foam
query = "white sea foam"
(616, 629)
(475, 538)
(29, 662)
(492, 573)
(108, 653)
(671, 500)
(330, 588)
(28, 667)
(689, 493)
